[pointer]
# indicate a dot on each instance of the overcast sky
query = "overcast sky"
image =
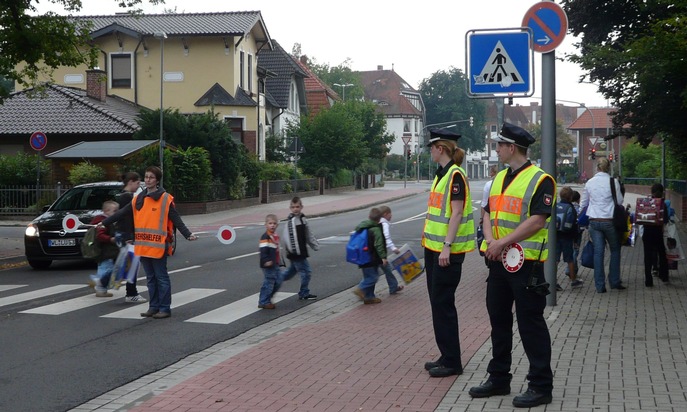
(416, 38)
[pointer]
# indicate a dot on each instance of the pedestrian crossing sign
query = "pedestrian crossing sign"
(499, 63)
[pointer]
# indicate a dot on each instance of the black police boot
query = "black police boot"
(488, 389)
(532, 398)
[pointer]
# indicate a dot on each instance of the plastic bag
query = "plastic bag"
(587, 256)
(125, 266)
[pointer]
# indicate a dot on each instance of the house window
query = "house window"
(493, 128)
(293, 100)
(493, 147)
(236, 126)
(242, 70)
(250, 73)
(406, 125)
(121, 70)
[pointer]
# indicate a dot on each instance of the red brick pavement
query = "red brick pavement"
(369, 358)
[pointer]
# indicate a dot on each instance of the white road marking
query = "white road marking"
(236, 310)
(242, 256)
(22, 297)
(182, 269)
(10, 287)
(71, 305)
(178, 299)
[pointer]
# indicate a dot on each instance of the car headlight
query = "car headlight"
(31, 231)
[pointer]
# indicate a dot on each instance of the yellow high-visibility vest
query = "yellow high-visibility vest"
(439, 213)
(511, 207)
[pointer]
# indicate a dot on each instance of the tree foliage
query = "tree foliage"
(20, 169)
(339, 75)
(202, 130)
(636, 51)
(34, 46)
(445, 97)
(85, 172)
(564, 142)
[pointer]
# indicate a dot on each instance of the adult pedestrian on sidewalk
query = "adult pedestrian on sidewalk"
(598, 200)
(515, 237)
(132, 182)
(448, 235)
(154, 217)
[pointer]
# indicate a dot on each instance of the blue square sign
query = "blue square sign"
(499, 63)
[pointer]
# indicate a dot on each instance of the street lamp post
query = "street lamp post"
(343, 87)
(162, 36)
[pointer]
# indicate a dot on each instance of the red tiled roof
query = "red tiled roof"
(318, 94)
(600, 118)
(385, 88)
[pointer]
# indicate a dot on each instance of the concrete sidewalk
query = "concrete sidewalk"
(618, 351)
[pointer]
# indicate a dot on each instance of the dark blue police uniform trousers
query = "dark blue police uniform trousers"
(504, 288)
(442, 283)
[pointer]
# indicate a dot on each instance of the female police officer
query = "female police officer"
(448, 235)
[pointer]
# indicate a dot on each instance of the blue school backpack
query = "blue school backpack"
(357, 249)
(565, 217)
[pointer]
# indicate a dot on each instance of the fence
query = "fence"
(28, 200)
(676, 186)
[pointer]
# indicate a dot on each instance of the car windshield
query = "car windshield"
(85, 198)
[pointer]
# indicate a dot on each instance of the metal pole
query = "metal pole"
(405, 173)
(548, 158)
(38, 175)
(162, 138)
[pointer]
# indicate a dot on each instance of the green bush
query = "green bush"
(276, 171)
(342, 177)
(20, 169)
(86, 172)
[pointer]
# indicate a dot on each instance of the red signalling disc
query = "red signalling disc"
(226, 234)
(70, 223)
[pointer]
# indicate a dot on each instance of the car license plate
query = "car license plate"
(61, 242)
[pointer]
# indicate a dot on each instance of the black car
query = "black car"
(45, 240)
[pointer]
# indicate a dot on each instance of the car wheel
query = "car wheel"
(39, 264)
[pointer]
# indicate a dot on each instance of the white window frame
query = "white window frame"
(111, 77)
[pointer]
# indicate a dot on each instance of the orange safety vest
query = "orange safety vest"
(152, 226)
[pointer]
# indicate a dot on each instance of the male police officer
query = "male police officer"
(515, 235)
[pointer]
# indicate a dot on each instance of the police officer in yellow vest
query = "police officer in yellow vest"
(519, 208)
(448, 235)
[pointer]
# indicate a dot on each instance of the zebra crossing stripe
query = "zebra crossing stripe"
(10, 287)
(60, 308)
(178, 299)
(236, 310)
(22, 297)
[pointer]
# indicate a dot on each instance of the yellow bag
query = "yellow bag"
(406, 264)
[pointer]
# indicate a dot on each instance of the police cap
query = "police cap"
(442, 134)
(518, 136)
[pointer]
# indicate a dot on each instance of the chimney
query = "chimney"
(380, 67)
(96, 86)
(304, 59)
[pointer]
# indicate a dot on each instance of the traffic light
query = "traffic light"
(610, 157)
(408, 154)
(471, 121)
(593, 153)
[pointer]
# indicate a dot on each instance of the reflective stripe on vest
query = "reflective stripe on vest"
(510, 207)
(439, 214)
(150, 226)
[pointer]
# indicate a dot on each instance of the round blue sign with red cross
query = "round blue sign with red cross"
(38, 141)
(549, 24)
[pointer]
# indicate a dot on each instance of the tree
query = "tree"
(31, 46)
(341, 74)
(333, 140)
(636, 51)
(373, 122)
(564, 142)
(446, 99)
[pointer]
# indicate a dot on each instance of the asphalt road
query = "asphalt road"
(54, 362)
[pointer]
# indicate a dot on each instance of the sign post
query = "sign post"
(38, 141)
(406, 140)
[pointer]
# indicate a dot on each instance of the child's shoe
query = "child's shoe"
(576, 283)
(267, 306)
(372, 301)
(103, 295)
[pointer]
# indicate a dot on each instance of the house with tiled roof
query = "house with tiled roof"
(400, 103)
(319, 96)
(66, 115)
(285, 89)
(192, 62)
(591, 128)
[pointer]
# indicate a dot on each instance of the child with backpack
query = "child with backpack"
(296, 238)
(567, 234)
(376, 246)
(107, 243)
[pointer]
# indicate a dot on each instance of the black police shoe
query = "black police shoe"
(444, 371)
(433, 364)
(488, 389)
(532, 398)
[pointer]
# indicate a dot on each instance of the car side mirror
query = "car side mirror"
(45, 209)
